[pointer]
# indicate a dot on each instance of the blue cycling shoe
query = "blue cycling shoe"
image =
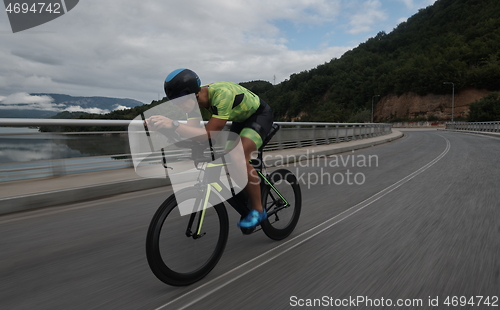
(253, 219)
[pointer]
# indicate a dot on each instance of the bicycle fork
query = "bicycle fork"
(198, 234)
(280, 204)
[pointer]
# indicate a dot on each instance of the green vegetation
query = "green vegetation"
(452, 40)
(258, 87)
(68, 115)
(486, 109)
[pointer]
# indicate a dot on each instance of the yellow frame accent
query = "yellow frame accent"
(205, 203)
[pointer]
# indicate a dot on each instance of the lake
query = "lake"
(25, 149)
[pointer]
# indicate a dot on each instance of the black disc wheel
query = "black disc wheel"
(181, 256)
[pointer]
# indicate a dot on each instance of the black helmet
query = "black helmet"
(181, 82)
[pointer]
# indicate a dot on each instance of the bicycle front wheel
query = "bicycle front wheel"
(283, 202)
(177, 258)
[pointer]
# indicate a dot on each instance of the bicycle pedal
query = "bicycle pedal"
(247, 231)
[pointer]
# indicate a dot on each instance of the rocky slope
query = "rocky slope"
(411, 105)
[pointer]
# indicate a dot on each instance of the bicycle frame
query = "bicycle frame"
(237, 201)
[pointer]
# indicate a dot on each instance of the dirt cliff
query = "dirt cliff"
(411, 105)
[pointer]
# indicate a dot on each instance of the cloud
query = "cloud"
(402, 20)
(25, 101)
(426, 3)
(363, 20)
(125, 48)
(120, 107)
(74, 108)
(38, 56)
(410, 4)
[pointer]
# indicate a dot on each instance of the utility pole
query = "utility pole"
(452, 99)
(372, 106)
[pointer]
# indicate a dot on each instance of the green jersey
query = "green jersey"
(230, 101)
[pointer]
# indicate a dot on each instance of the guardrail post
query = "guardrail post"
(327, 136)
(280, 139)
(314, 135)
(299, 141)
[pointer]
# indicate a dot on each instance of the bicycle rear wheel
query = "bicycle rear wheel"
(178, 259)
(283, 202)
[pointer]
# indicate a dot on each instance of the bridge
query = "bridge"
(418, 228)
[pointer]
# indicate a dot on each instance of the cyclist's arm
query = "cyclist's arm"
(191, 129)
(214, 126)
(194, 122)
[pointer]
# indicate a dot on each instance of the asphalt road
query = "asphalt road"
(422, 224)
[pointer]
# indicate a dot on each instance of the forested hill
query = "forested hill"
(453, 40)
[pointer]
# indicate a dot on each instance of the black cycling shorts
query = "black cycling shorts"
(257, 126)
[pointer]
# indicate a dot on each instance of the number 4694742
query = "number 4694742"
(472, 301)
(37, 8)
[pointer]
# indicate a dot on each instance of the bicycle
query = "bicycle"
(179, 262)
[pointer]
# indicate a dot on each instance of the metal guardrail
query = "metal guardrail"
(291, 135)
(475, 126)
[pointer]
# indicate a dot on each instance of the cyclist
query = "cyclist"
(220, 102)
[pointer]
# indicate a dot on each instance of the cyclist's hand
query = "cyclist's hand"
(157, 122)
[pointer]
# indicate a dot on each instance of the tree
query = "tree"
(485, 110)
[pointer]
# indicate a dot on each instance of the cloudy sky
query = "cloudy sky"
(124, 48)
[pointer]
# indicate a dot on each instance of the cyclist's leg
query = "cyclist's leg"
(254, 130)
(253, 186)
(257, 214)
